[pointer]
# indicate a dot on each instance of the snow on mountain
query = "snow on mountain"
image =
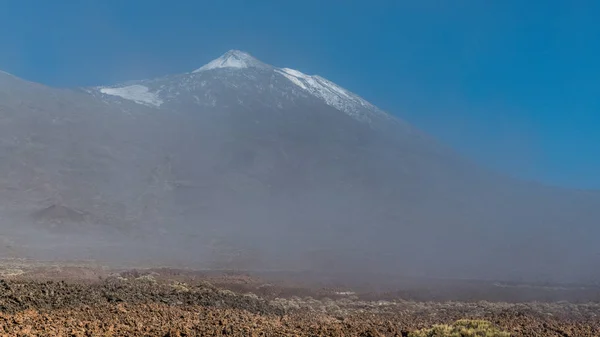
(137, 93)
(239, 69)
(330, 92)
(233, 59)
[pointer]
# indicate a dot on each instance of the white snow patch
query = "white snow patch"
(331, 93)
(294, 79)
(226, 63)
(337, 89)
(137, 93)
(294, 73)
(233, 59)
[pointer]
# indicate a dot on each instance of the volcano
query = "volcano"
(239, 158)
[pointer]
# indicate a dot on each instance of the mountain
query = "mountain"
(242, 164)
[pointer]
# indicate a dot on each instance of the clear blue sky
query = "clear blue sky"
(513, 84)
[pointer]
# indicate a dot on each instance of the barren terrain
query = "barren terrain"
(80, 299)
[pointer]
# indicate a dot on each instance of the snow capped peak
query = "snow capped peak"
(195, 88)
(235, 59)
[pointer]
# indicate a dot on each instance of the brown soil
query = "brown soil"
(74, 301)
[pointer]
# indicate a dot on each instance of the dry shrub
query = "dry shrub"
(462, 328)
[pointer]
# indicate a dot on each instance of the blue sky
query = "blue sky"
(512, 84)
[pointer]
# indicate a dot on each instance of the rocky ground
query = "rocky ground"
(83, 301)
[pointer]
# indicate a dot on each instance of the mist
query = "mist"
(240, 169)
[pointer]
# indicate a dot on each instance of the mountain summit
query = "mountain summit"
(244, 165)
(234, 69)
(234, 59)
(315, 86)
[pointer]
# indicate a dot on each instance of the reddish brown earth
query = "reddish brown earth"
(93, 301)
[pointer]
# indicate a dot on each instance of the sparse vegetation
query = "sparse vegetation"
(173, 302)
(462, 328)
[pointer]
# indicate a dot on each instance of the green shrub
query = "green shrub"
(462, 328)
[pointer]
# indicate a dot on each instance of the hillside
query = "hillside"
(246, 165)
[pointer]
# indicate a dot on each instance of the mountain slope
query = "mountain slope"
(288, 170)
